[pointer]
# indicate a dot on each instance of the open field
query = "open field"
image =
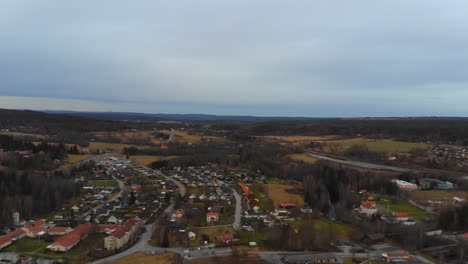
(27, 245)
(303, 157)
(444, 197)
(379, 145)
(278, 193)
(191, 137)
(140, 257)
(149, 137)
(387, 206)
(127, 137)
(297, 140)
(148, 159)
(116, 147)
(321, 225)
(76, 158)
(25, 135)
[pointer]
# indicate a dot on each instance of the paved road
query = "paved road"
(360, 164)
(373, 166)
(238, 212)
(181, 187)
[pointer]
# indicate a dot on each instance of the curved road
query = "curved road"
(360, 164)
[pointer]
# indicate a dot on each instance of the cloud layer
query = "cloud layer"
(363, 58)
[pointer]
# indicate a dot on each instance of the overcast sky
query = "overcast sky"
(242, 57)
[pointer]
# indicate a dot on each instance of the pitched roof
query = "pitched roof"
(57, 229)
(124, 228)
(10, 236)
(73, 237)
(401, 215)
(368, 204)
(212, 214)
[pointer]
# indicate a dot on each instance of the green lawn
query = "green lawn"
(257, 236)
(260, 196)
(393, 205)
(103, 183)
(323, 225)
(26, 245)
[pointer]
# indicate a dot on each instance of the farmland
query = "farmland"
(379, 145)
(279, 194)
(303, 157)
(148, 159)
(296, 140)
(441, 198)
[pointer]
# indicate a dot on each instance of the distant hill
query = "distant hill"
(180, 117)
(60, 127)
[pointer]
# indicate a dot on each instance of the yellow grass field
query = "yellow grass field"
(115, 147)
(277, 192)
(380, 145)
(303, 157)
(148, 136)
(147, 159)
(76, 158)
(142, 258)
(446, 197)
(20, 134)
(190, 137)
(297, 140)
(129, 137)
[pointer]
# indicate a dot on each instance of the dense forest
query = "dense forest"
(62, 128)
(33, 194)
(438, 130)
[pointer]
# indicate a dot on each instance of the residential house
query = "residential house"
(8, 239)
(192, 236)
(405, 186)
(36, 228)
(72, 238)
(401, 216)
(58, 230)
(112, 220)
(367, 207)
(122, 234)
(212, 217)
(287, 205)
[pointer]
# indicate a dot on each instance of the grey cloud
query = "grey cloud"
(240, 56)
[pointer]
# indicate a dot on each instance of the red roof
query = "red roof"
(210, 214)
(57, 229)
(245, 189)
(401, 215)
(10, 236)
(464, 236)
(164, 146)
(287, 205)
(36, 226)
(368, 204)
(124, 228)
(105, 228)
(73, 237)
(22, 152)
(136, 187)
